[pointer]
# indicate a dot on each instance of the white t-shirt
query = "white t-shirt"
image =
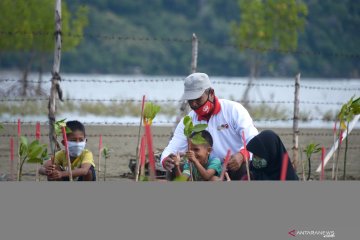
(225, 127)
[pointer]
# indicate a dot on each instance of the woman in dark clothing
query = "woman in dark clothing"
(268, 152)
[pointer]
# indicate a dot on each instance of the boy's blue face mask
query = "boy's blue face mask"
(76, 148)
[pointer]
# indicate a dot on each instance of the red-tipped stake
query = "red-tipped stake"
(67, 152)
(142, 156)
(246, 159)
(37, 131)
(284, 167)
(150, 151)
(227, 158)
(37, 136)
(99, 152)
(322, 176)
(12, 158)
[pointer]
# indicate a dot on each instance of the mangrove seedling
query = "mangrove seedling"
(346, 115)
(106, 154)
(189, 129)
(31, 153)
(309, 150)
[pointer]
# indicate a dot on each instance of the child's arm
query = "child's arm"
(46, 168)
(82, 171)
(206, 174)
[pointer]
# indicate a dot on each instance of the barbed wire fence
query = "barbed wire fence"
(128, 138)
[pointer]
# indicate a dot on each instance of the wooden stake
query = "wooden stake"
(296, 122)
(322, 175)
(226, 160)
(12, 158)
(37, 136)
(334, 156)
(67, 153)
(18, 141)
(142, 156)
(246, 159)
(99, 153)
(55, 85)
(284, 167)
(137, 168)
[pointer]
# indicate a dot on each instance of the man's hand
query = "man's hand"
(235, 162)
(169, 163)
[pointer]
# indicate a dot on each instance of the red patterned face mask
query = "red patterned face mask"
(205, 109)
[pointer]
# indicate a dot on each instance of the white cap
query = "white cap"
(195, 85)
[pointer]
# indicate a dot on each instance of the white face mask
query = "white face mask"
(76, 148)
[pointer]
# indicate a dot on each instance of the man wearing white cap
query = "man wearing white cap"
(226, 121)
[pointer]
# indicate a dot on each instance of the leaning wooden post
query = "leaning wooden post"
(55, 85)
(296, 122)
(194, 53)
(184, 107)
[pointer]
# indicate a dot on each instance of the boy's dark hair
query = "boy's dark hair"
(76, 126)
(206, 135)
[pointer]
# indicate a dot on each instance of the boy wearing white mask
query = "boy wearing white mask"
(82, 162)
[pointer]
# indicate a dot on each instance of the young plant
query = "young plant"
(309, 150)
(31, 153)
(58, 131)
(1, 126)
(189, 128)
(150, 111)
(106, 155)
(346, 115)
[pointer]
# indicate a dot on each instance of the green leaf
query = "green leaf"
(23, 149)
(44, 154)
(181, 178)
(150, 111)
(311, 148)
(199, 127)
(33, 143)
(198, 139)
(1, 126)
(35, 151)
(35, 160)
(106, 152)
(143, 179)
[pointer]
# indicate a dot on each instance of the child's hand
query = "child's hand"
(191, 156)
(55, 175)
(49, 169)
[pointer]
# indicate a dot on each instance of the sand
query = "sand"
(122, 140)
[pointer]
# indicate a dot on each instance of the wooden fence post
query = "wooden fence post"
(296, 122)
(55, 85)
(184, 107)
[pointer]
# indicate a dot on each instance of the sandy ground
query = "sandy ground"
(122, 140)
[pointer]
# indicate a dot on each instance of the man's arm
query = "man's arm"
(178, 143)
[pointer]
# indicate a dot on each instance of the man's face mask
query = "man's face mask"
(76, 148)
(205, 109)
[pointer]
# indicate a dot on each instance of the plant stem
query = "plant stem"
(309, 172)
(105, 168)
(20, 169)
